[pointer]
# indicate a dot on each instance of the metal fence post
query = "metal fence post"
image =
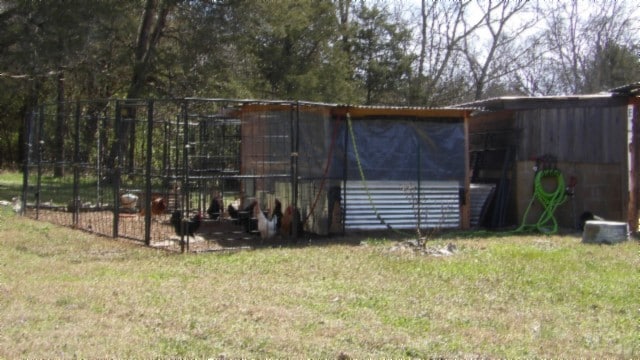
(75, 202)
(419, 167)
(147, 196)
(116, 171)
(184, 245)
(28, 145)
(40, 147)
(296, 219)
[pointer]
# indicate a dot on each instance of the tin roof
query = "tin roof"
(629, 89)
(413, 111)
(361, 110)
(525, 102)
(529, 102)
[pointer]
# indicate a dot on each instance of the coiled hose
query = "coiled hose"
(547, 222)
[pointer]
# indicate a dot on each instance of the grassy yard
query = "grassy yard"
(66, 293)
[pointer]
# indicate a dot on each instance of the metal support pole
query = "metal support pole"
(419, 192)
(147, 190)
(40, 145)
(117, 169)
(296, 219)
(165, 155)
(99, 160)
(28, 144)
(185, 190)
(76, 169)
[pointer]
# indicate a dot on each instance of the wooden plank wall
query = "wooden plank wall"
(577, 134)
(590, 144)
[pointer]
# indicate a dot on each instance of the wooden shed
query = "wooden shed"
(591, 139)
(358, 167)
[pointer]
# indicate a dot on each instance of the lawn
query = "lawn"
(70, 294)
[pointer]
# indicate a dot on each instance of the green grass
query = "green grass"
(59, 190)
(10, 185)
(66, 293)
(55, 190)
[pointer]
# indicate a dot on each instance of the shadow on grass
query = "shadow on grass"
(10, 190)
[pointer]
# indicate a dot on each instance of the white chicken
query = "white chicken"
(267, 228)
(16, 202)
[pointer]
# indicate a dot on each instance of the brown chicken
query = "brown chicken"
(287, 220)
(158, 206)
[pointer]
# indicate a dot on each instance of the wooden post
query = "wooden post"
(632, 161)
(465, 208)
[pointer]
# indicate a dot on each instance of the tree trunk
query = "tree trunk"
(151, 27)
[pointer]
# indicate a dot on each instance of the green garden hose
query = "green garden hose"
(550, 201)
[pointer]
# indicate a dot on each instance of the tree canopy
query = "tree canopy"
(424, 53)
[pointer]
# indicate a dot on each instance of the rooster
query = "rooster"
(190, 226)
(266, 227)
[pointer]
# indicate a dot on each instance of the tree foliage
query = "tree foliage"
(428, 53)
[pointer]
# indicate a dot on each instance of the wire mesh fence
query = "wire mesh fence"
(128, 168)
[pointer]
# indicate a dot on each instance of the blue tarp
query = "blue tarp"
(388, 149)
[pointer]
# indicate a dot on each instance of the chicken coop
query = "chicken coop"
(129, 168)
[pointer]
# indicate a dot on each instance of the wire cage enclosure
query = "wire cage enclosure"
(102, 166)
(130, 168)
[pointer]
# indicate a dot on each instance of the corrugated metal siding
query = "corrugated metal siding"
(440, 201)
(480, 194)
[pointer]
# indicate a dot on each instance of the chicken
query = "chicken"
(287, 220)
(233, 212)
(586, 216)
(336, 218)
(16, 202)
(158, 206)
(277, 213)
(244, 218)
(183, 227)
(290, 214)
(266, 227)
(215, 208)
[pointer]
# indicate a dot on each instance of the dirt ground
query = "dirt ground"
(213, 235)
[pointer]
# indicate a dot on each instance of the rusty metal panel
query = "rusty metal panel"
(388, 203)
